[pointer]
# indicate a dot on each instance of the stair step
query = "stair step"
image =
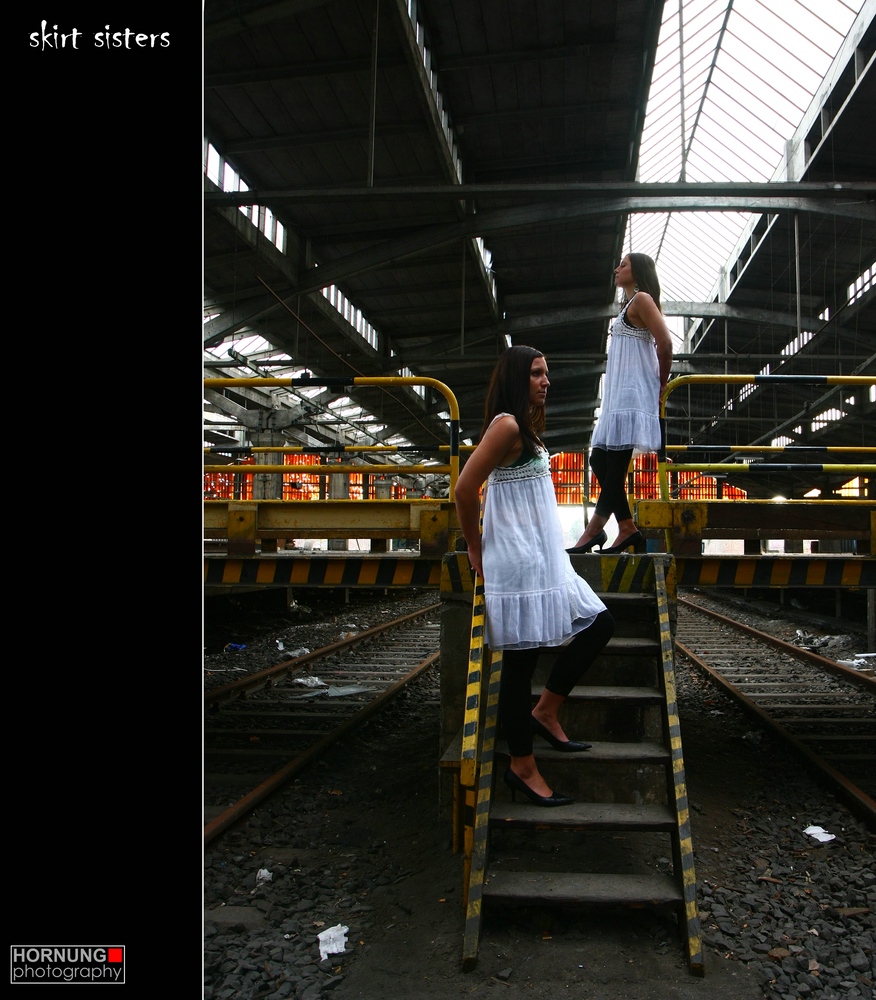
(621, 600)
(629, 646)
(627, 596)
(619, 646)
(582, 816)
(640, 753)
(576, 888)
(600, 692)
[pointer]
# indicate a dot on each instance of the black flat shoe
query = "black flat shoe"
(567, 746)
(517, 784)
(636, 541)
(600, 539)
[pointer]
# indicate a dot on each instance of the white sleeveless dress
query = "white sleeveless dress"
(533, 596)
(630, 416)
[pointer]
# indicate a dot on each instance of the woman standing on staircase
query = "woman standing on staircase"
(636, 373)
(534, 598)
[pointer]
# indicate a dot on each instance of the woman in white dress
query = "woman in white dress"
(636, 373)
(533, 596)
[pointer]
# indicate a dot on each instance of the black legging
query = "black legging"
(518, 666)
(610, 469)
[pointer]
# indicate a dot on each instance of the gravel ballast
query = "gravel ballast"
(360, 841)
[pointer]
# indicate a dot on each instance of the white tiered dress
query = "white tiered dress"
(533, 596)
(630, 416)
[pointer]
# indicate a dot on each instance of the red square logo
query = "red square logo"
(114, 955)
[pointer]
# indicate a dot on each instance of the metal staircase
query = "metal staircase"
(630, 783)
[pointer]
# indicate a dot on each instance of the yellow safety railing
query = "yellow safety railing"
(451, 468)
(722, 467)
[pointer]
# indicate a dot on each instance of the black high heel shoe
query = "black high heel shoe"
(517, 784)
(600, 539)
(569, 746)
(636, 540)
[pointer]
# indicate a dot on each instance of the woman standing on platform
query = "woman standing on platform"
(636, 373)
(534, 598)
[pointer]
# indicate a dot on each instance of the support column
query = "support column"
(339, 489)
(382, 491)
(265, 430)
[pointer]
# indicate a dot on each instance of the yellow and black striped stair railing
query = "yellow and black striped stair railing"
(683, 862)
(468, 764)
(476, 770)
(478, 821)
(480, 744)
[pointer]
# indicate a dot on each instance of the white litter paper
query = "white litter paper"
(862, 661)
(294, 653)
(820, 834)
(264, 875)
(349, 689)
(332, 941)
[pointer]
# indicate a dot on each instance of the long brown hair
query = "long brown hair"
(645, 272)
(508, 392)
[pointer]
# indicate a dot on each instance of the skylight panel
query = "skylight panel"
(862, 283)
(762, 75)
(734, 158)
(710, 233)
(746, 89)
(759, 136)
(766, 119)
(741, 105)
(230, 178)
(251, 344)
(646, 228)
(701, 29)
(213, 165)
(802, 35)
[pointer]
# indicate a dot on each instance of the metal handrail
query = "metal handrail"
(719, 467)
(452, 468)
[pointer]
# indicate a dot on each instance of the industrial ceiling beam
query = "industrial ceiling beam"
(321, 138)
(526, 217)
(236, 17)
(297, 71)
(701, 193)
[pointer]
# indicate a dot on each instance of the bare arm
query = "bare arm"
(497, 447)
(643, 312)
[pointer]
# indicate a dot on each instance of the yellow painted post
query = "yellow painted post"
(242, 526)
(434, 533)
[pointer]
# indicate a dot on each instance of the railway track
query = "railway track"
(261, 730)
(823, 709)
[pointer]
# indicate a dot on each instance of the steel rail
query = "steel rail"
(857, 798)
(300, 759)
(224, 820)
(267, 677)
(831, 666)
